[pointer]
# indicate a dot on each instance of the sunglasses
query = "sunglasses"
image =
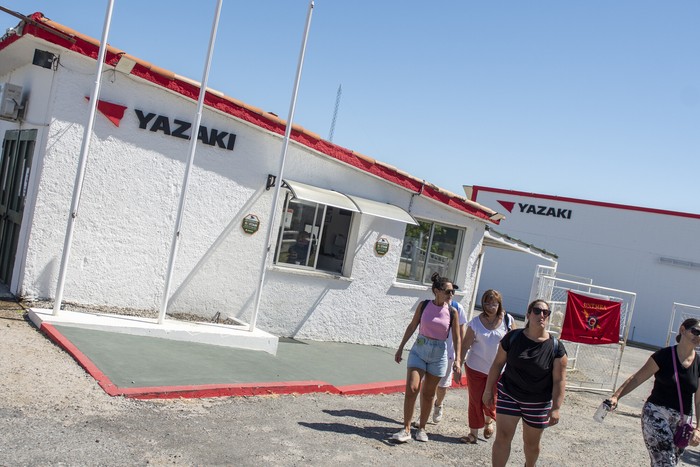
(695, 331)
(449, 291)
(539, 311)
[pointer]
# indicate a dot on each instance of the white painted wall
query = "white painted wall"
(128, 209)
(616, 247)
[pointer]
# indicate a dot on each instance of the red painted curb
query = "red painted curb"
(236, 390)
(60, 340)
(373, 388)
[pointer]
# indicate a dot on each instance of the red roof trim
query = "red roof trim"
(477, 189)
(89, 47)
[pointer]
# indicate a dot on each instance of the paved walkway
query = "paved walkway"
(151, 367)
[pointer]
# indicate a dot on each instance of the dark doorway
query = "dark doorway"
(15, 166)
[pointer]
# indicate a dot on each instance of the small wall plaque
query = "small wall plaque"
(251, 224)
(382, 246)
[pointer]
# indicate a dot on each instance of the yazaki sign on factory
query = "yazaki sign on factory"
(170, 126)
(536, 209)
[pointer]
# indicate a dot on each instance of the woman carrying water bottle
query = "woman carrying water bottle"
(676, 370)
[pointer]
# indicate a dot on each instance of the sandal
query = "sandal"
(488, 430)
(469, 439)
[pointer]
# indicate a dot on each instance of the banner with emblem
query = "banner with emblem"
(591, 320)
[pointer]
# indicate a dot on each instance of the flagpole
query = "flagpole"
(188, 169)
(280, 172)
(82, 161)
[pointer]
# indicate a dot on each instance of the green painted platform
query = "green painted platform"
(131, 362)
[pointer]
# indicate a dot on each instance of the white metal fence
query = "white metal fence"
(591, 367)
(680, 313)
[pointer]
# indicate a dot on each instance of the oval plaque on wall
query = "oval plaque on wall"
(251, 224)
(382, 246)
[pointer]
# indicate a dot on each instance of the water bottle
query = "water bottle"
(605, 407)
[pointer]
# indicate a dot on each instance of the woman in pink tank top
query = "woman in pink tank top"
(427, 361)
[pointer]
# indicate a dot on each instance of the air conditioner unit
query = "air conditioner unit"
(10, 100)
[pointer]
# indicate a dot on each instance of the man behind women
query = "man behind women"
(446, 381)
(428, 358)
(531, 387)
(484, 333)
(661, 411)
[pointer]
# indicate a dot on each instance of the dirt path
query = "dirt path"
(52, 412)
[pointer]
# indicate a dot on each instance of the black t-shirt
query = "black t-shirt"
(664, 392)
(529, 367)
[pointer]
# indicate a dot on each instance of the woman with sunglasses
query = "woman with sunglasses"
(428, 359)
(661, 411)
(531, 387)
(484, 333)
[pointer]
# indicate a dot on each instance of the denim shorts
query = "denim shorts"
(429, 355)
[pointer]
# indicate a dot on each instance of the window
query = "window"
(428, 248)
(313, 235)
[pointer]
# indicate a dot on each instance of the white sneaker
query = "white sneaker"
(402, 436)
(421, 435)
(437, 414)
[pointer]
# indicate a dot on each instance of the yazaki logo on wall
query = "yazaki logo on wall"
(536, 209)
(169, 126)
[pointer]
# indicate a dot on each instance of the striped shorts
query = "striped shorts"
(535, 414)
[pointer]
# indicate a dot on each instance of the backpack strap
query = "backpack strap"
(508, 322)
(422, 307)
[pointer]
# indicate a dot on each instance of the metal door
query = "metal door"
(15, 166)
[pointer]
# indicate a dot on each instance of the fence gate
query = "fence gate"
(591, 367)
(680, 313)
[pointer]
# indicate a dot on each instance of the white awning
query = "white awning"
(496, 239)
(385, 210)
(350, 202)
(320, 195)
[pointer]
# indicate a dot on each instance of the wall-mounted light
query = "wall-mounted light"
(271, 179)
(43, 58)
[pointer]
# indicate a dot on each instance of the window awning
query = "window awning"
(320, 195)
(496, 239)
(350, 202)
(385, 210)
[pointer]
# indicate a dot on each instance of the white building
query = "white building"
(650, 252)
(366, 267)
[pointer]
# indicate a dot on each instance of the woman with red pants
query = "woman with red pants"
(484, 332)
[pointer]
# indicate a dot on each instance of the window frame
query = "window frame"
(322, 212)
(459, 247)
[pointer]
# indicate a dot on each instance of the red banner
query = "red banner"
(591, 320)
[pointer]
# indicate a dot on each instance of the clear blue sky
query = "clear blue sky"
(597, 100)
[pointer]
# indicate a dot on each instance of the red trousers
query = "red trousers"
(476, 383)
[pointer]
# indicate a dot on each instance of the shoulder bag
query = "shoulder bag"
(684, 430)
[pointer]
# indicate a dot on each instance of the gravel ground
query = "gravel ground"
(53, 413)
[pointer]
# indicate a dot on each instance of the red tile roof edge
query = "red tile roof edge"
(89, 47)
